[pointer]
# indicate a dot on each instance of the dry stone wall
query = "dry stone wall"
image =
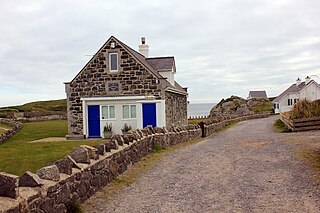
(15, 127)
(74, 179)
(212, 125)
(87, 169)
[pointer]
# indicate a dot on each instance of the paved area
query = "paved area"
(247, 168)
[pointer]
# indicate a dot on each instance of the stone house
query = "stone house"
(122, 86)
(308, 89)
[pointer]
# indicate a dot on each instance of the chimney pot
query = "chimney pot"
(143, 40)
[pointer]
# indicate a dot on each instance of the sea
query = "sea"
(202, 109)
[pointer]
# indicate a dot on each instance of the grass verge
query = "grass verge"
(134, 172)
(280, 126)
(3, 128)
(18, 156)
(311, 156)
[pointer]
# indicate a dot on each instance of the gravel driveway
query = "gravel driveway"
(247, 168)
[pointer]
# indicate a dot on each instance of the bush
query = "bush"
(305, 109)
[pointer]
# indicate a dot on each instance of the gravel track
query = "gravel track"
(247, 168)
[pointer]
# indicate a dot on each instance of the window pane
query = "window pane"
(112, 112)
(125, 111)
(104, 112)
(133, 111)
(114, 61)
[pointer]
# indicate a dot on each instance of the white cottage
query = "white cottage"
(119, 86)
(309, 89)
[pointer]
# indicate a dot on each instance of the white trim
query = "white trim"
(108, 119)
(110, 70)
(130, 115)
(84, 120)
(150, 101)
(112, 98)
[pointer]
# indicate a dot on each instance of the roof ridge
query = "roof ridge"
(159, 57)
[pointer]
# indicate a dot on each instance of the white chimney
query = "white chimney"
(298, 81)
(144, 48)
(308, 79)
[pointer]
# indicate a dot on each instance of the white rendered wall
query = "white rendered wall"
(119, 121)
(311, 92)
(169, 75)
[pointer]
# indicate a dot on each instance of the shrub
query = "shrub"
(305, 109)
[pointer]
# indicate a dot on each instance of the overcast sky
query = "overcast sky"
(221, 47)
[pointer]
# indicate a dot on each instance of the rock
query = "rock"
(80, 155)
(111, 145)
(91, 151)
(49, 173)
(9, 185)
(119, 139)
(100, 149)
(237, 106)
(65, 165)
(29, 179)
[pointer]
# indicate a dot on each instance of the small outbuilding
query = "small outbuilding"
(257, 94)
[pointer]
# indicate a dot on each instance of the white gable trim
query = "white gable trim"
(113, 98)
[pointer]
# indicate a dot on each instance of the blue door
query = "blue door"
(149, 114)
(94, 121)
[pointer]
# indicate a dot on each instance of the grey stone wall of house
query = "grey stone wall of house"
(132, 78)
(176, 109)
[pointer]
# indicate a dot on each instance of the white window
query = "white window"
(113, 62)
(108, 112)
(129, 111)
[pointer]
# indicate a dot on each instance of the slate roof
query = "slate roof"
(294, 88)
(161, 63)
(258, 94)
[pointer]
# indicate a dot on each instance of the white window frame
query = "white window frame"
(109, 119)
(130, 115)
(110, 62)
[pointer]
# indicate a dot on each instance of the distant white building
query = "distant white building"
(309, 89)
(257, 94)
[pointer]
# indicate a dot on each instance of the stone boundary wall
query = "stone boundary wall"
(36, 116)
(16, 126)
(212, 125)
(42, 116)
(86, 170)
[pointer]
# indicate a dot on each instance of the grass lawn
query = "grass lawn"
(18, 156)
(3, 128)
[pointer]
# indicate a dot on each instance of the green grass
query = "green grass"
(280, 126)
(263, 107)
(3, 128)
(18, 156)
(39, 106)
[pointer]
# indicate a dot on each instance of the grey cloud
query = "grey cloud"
(221, 47)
